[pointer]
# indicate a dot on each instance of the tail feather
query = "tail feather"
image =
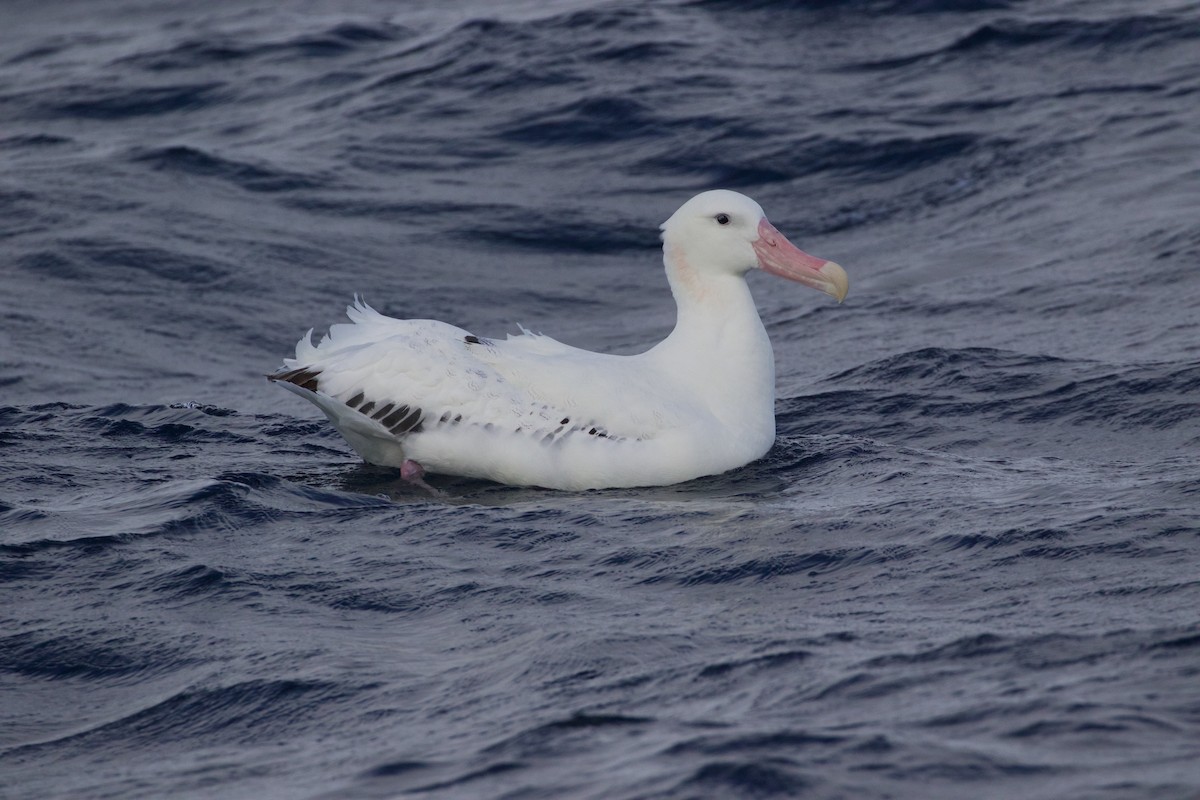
(370, 437)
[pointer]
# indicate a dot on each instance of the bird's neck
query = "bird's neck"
(712, 308)
(719, 343)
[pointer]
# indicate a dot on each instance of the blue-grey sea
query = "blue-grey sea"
(969, 568)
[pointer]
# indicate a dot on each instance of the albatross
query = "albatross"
(527, 410)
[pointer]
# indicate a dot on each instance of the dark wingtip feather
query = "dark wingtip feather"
(304, 377)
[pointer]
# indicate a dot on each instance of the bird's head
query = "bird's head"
(723, 232)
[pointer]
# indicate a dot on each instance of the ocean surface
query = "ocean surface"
(970, 566)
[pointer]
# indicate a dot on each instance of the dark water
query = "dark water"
(969, 568)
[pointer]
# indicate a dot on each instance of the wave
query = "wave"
(194, 161)
(116, 266)
(855, 7)
(157, 494)
(931, 387)
(86, 101)
(240, 712)
(218, 49)
(1006, 37)
(82, 655)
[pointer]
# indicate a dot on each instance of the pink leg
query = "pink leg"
(412, 472)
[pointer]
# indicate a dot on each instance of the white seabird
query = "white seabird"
(527, 410)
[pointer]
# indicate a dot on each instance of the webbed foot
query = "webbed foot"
(412, 472)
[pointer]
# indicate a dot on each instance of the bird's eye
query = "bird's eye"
(722, 219)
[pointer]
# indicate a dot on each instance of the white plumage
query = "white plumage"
(529, 410)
